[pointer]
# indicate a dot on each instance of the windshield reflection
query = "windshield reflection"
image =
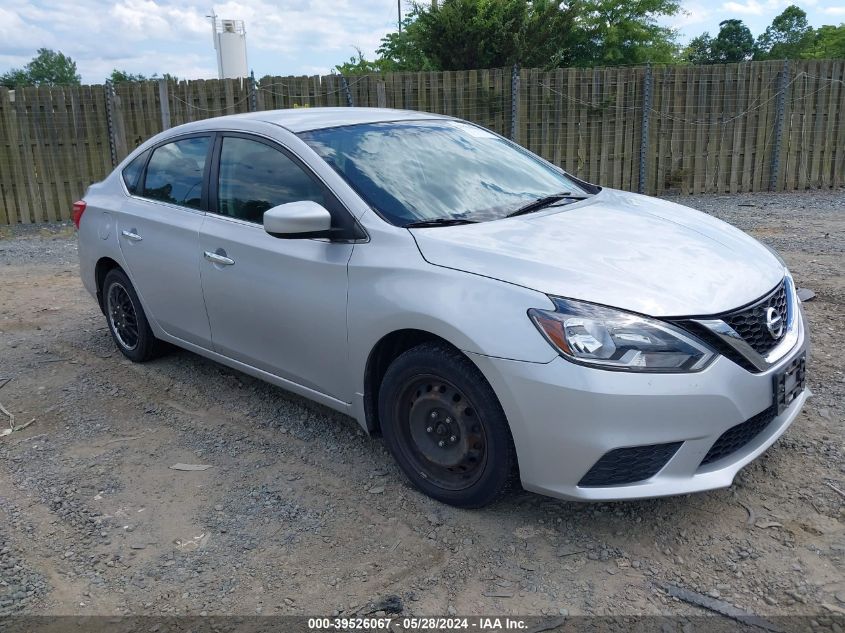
(413, 171)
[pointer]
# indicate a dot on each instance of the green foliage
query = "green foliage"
(466, 34)
(119, 76)
(698, 51)
(828, 42)
(47, 68)
(788, 37)
(15, 77)
(628, 32)
(733, 44)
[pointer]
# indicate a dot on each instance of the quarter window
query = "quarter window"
(255, 177)
(175, 172)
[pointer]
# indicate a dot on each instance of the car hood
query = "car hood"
(619, 249)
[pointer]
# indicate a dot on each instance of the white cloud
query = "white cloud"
(691, 13)
(754, 7)
(833, 10)
(17, 34)
(146, 19)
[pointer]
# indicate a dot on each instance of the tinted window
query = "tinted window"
(174, 173)
(255, 177)
(133, 171)
(423, 170)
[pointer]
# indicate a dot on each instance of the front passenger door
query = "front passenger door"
(276, 304)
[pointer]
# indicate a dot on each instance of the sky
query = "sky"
(289, 37)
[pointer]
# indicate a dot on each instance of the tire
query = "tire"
(445, 427)
(126, 320)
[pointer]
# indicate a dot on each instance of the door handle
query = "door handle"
(131, 235)
(217, 258)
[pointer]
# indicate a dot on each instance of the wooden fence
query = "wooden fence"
(754, 126)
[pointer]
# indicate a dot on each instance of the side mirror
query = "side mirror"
(298, 220)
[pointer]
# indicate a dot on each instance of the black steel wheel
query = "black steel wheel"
(126, 319)
(444, 426)
(123, 320)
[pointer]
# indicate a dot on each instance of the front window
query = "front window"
(255, 177)
(417, 171)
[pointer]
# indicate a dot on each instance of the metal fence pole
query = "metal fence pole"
(253, 97)
(345, 85)
(779, 120)
(164, 99)
(647, 87)
(514, 101)
(109, 92)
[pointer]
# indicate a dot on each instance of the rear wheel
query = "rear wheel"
(126, 319)
(444, 426)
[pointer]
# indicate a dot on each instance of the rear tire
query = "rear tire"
(126, 319)
(445, 427)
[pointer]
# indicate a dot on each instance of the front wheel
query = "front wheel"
(445, 427)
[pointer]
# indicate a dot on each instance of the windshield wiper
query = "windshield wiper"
(421, 224)
(545, 201)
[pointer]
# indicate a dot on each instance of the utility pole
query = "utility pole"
(399, 13)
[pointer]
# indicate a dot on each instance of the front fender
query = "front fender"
(391, 287)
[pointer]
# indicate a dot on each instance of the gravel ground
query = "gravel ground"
(302, 514)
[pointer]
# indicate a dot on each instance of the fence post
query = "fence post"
(110, 120)
(165, 104)
(253, 98)
(514, 101)
(345, 85)
(647, 81)
(779, 116)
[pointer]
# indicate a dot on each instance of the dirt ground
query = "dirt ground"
(300, 513)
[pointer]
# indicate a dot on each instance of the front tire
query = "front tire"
(445, 427)
(126, 319)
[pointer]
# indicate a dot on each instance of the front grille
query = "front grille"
(750, 323)
(718, 344)
(629, 465)
(738, 436)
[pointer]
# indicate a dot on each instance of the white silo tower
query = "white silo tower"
(230, 44)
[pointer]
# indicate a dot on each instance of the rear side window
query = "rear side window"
(175, 172)
(132, 172)
(255, 177)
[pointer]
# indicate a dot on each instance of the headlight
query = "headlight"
(612, 339)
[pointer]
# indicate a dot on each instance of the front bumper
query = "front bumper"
(564, 417)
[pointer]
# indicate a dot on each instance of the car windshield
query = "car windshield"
(434, 170)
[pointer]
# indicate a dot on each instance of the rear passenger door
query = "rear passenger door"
(158, 230)
(276, 304)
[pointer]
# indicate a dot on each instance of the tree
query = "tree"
(828, 42)
(465, 34)
(788, 37)
(47, 68)
(119, 76)
(698, 51)
(15, 77)
(733, 44)
(628, 33)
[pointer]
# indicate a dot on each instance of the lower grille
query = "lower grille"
(629, 465)
(738, 436)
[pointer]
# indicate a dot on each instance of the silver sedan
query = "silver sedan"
(494, 318)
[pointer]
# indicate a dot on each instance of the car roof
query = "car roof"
(306, 119)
